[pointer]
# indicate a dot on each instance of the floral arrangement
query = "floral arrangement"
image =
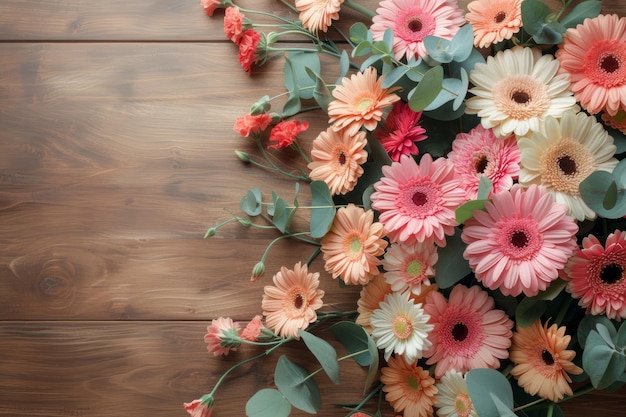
(471, 182)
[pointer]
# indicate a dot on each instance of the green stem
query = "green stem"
(313, 255)
(273, 242)
(367, 398)
(351, 355)
(357, 7)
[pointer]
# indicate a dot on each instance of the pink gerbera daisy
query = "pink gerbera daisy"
(417, 202)
(413, 20)
(597, 275)
(479, 152)
(408, 267)
(521, 240)
(400, 131)
(221, 331)
(594, 55)
(494, 20)
(469, 333)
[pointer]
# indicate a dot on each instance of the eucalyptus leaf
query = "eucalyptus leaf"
(603, 364)
(483, 384)
(294, 383)
(344, 64)
(417, 69)
(354, 339)
(388, 39)
(324, 352)
(451, 266)
(251, 202)
(620, 338)
(438, 49)
(501, 407)
(427, 89)
(461, 92)
(359, 32)
(484, 187)
(528, 311)
(292, 105)
(451, 88)
(297, 79)
(589, 323)
(394, 76)
(268, 403)
(467, 209)
(598, 184)
(370, 61)
(363, 48)
(606, 335)
(321, 93)
(534, 15)
(323, 209)
(468, 65)
(582, 11)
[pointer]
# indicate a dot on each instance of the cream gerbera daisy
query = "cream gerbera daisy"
(409, 267)
(409, 388)
(494, 20)
(453, 399)
(593, 54)
(401, 327)
(317, 15)
(359, 102)
(543, 361)
(353, 244)
(561, 154)
(291, 303)
(517, 88)
(337, 158)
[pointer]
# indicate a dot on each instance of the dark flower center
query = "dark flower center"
(520, 97)
(547, 357)
(415, 25)
(419, 198)
(342, 159)
(567, 165)
(481, 164)
(460, 332)
(298, 301)
(499, 18)
(609, 63)
(519, 239)
(611, 273)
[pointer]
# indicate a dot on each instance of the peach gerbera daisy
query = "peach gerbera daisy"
(408, 388)
(562, 153)
(359, 102)
(417, 202)
(318, 15)
(413, 20)
(520, 242)
(479, 152)
(369, 300)
(543, 361)
(410, 267)
(353, 244)
(593, 54)
(291, 303)
(337, 158)
(517, 88)
(222, 336)
(597, 275)
(494, 21)
(468, 331)
(617, 121)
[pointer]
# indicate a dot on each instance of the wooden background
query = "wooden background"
(116, 155)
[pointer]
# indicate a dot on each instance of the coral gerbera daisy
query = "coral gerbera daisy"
(479, 152)
(617, 121)
(413, 20)
(468, 332)
(220, 334)
(408, 267)
(597, 275)
(369, 300)
(317, 15)
(337, 158)
(417, 202)
(517, 88)
(453, 398)
(494, 21)
(521, 240)
(401, 327)
(359, 101)
(400, 131)
(593, 54)
(408, 388)
(291, 303)
(353, 244)
(562, 153)
(543, 361)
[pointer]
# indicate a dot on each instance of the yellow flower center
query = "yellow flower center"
(364, 103)
(356, 245)
(402, 327)
(414, 268)
(463, 405)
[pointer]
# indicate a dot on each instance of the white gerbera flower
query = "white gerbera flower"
(516, 89)
(562, 153)
(453, 399)
(401, 327)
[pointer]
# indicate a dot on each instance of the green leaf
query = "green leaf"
(484, 187)
(370, 61)
(323, 209)
(466, 210)
(251, 202)
(501, 407)
(417, 69)
(393, 76)
(363, 48)
(321, 93)
(586, 9)
(451, 266)
(344, 64)
(355, 339)
(610, 198)
(528, 311)
(598, 184)
(427, 89)
(483, 384)
(281, 213)
(297, 79)
(589, 323)
(388, 38)
(438, 49)
(359, 32)
(268, 403)
(620, 339)
(294, 383)
(603, 364)
(451, 88)
(535, 18)
(324, 352)
(292, 105)
(461, 93)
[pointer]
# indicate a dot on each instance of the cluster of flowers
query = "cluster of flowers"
(489, 254)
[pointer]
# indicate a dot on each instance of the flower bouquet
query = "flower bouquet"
(470, 182)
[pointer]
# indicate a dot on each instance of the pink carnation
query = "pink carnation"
(248, 44)
(210, 6)
(252, 124)
(284, 133)
(233, 24)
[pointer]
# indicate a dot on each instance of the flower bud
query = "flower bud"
(257, 271)
(244, 157)
(211, 232)
(244, 222)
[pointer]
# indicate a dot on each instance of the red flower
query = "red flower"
(401, 131)
(210, 6)
(197, 409)
(252, 124)
(248, 44)
(284, 133)
(233, 24)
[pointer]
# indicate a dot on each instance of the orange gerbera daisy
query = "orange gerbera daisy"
(318, 14)
(494, 20)
(409, 388)
(543, 361)
(352, 245)
(291, 303)
(369, 300)
(337, 159)
(359, 101)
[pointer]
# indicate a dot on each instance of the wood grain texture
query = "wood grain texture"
(116, 155)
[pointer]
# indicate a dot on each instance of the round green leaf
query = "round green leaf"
(324, 352)
(268, 403)
(294, 383)
(483, 385)
(323, 209)
(251, 202)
